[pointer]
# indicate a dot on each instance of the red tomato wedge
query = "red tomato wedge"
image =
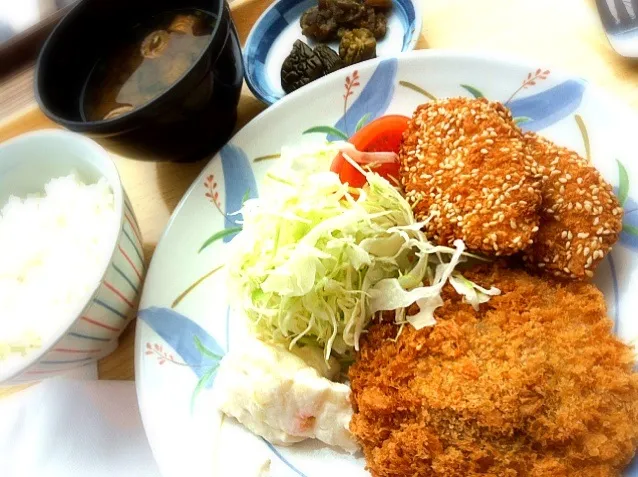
(381, 135)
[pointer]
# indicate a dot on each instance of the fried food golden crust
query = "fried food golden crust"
(466, 172)
(581, 217)
(534, 384)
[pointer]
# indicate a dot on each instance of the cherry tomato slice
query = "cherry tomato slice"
(381, 135)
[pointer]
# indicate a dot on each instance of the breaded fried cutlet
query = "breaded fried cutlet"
(467, 174)
(534, 384)
(581, 217)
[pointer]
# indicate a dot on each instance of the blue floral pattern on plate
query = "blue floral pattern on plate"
(240, 184)
(373, 100)
(183, 334)
(550, 106)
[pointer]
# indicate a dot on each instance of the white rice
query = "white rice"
(53, 250)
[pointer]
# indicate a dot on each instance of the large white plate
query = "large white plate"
(184, 319)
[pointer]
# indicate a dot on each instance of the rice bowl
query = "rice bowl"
(87, 327)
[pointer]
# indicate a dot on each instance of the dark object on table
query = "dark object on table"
(319, 24)
(187, 121)
(357, 45)
(330, 58)
(330, 19)
(300, 67)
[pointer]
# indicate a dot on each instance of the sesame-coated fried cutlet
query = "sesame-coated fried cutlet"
(581, 217)
(533, 384)
(467, 173)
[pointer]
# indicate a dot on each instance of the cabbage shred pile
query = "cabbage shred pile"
(316, 260)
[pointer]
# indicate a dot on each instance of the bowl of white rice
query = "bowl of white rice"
(71, 262)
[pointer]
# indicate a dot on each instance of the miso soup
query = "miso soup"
(150, 58)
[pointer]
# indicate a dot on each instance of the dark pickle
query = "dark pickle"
(304, 65)
(343, 11)
(374, 21)
(357, 45)
(356, 24)
(300, 67)
(330, 58)
(330, 19)
(319, 24)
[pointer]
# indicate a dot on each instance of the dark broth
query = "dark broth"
(151, 58)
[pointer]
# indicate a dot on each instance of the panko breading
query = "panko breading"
(467, 173)
(581, 217)
(534, 384)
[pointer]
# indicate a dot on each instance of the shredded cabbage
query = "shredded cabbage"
(472, 293)
(316, 260)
